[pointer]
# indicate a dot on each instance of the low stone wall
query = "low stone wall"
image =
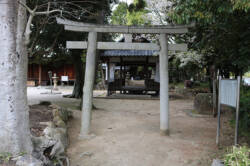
(50, 147)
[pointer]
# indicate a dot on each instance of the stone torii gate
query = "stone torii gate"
(92, 45)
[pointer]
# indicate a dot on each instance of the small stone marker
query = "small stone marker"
(203, 103)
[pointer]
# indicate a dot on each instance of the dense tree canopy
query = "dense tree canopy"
(221, 32)
(48, 39)
(133, 14)
(119, 15)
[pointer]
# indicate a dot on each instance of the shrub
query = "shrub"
(244, 123)
(237, 156)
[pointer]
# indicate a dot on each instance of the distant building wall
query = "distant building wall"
(41, 76)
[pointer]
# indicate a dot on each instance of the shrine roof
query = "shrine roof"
(109, 53)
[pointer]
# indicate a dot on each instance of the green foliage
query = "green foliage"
(48, 39)
(237, 156)
(119, 16)
(179, 85)
(247, 74)
(137, 18)
(221, 32)
(137, 5)
(241, 4)
(6, 156)
(134, 14)
(244, 123)
(83, 57)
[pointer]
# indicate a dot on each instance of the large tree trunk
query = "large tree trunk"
(21, 82)
(79, 70)
(14, 133)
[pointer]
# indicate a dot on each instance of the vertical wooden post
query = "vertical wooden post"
(121, 63)
(146, 69)
(108, 71)
(164, 100)
(111, 72)
(40, 74)
(124, 71)
(218, 125)
(88, 84)
(214, 94)
(108, 77)
(237, 112)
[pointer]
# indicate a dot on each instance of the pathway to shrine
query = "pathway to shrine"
(127, 134)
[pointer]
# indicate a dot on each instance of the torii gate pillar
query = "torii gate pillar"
(88, 85)
(92, 45)
(89, 82)
(164, 80)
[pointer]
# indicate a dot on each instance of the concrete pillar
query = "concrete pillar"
(106, 72)
(88, 85)
(164, 98)
(146, 69)
(157, 72)
(111, 72)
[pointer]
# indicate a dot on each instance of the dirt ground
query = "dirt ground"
(127, 134)
(39, 113)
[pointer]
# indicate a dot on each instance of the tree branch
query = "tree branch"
(47, 12)
(28, 30)
(24, 5)
(71, 9)
(31, 16)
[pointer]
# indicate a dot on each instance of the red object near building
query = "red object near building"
(38, 73)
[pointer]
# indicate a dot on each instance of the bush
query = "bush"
(237, 156)
(244, 123)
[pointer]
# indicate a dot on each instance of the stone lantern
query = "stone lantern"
(55, 78)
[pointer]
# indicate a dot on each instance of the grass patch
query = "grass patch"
(237, 156)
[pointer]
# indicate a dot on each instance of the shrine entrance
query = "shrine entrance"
(131, 71)
(92, 45)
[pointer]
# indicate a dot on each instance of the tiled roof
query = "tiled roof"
(130, 53)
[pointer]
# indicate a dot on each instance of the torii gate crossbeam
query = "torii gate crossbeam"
(92, 45)
(157, 29)
(125, 46)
